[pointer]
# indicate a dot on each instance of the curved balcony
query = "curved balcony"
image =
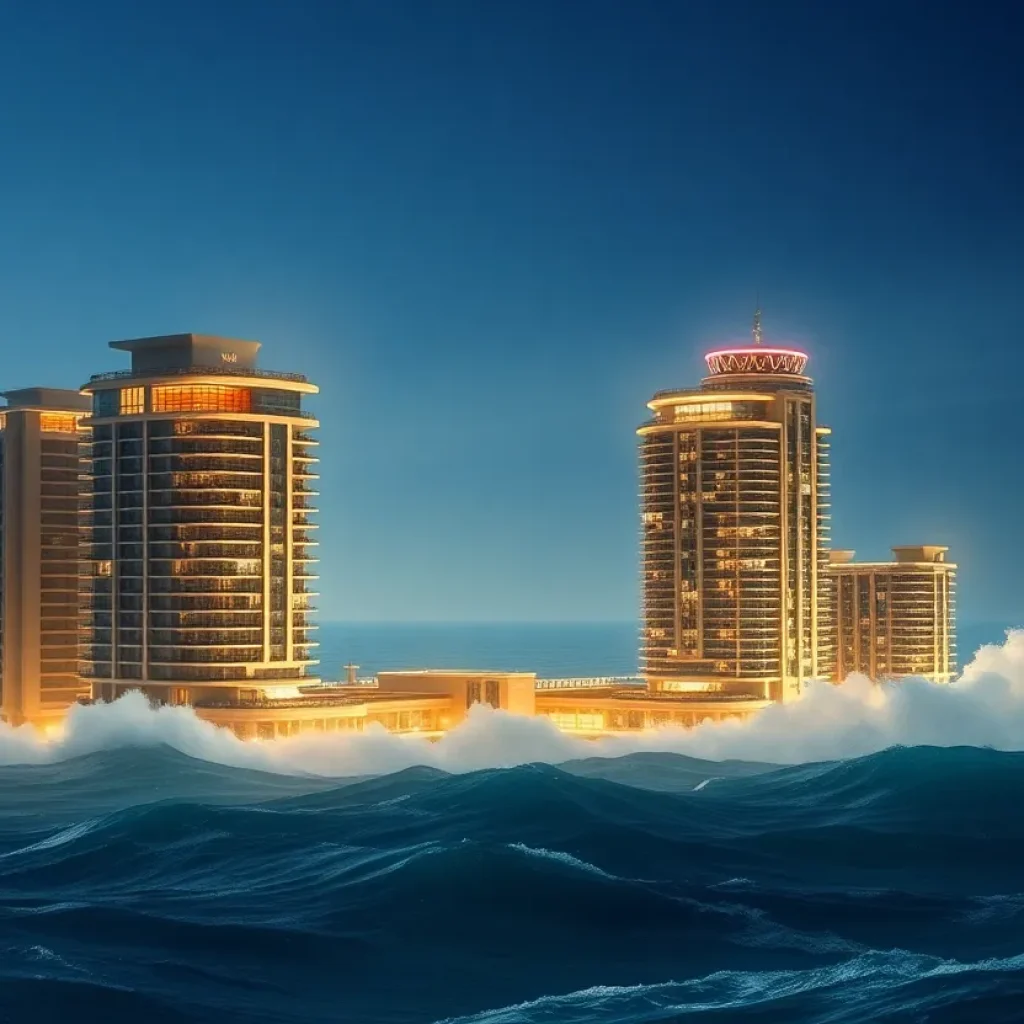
(206, 446)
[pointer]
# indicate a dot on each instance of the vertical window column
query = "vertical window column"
(278, 502)
(129, 549)
(99, 590)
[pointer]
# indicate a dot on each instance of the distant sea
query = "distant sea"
(552, 650)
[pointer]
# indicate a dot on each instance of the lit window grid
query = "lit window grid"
(132, 401)
(200, 398)
(59, 423)
(204, 592)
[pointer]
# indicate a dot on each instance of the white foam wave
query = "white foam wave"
(985, 708)
(61, 838)
(857, 986)
(562, 858)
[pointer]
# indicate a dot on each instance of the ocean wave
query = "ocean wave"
(873, 986)
(302, 900)
(984, 708)
(151, 867)
(559, 857)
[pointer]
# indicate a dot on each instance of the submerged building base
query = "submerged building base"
(429, 703)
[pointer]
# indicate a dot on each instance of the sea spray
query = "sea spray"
(984, 707)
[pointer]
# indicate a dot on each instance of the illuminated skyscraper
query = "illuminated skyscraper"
(735, 524)
(201, 550)
(41, 436)
(895, 618)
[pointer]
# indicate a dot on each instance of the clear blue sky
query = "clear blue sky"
(490, 230)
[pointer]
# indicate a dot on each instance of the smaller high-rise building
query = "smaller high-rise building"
(895, 619)
(41, 435)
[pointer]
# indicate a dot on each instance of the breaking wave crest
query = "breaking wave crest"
(875, 986)
(984, 708)
(857, 856)
(140, 882)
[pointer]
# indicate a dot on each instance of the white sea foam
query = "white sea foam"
(61, 838)
(878, 973)
(985, 707)
(566, 859)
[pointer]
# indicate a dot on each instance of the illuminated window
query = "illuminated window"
(58, 423)
(704, 411)
(201, 398)
(562, 719)
(133, 401)
(680, 686)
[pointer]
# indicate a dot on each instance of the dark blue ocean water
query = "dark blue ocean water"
(142, 885)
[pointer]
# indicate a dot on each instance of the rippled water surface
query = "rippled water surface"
(142, 884)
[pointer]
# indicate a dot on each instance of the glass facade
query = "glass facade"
(826, 642)
(201, 398)
(3, 545)
(200, 539)
(895, 619)
(59, 557)
(41, 465)
(734, 517)
(277, 511)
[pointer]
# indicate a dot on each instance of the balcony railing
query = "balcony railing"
(587, 682)
(200, 371)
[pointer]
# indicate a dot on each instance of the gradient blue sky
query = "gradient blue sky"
(490, 230)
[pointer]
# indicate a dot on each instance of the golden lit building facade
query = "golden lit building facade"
(734, 496)
(897, 618)
(157, 535)
(429, 702)
(200, 570)
(423, 702)
(41, 452)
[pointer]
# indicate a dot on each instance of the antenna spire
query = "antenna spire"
(757, 323)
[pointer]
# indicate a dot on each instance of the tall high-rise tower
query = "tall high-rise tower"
(201, 552)
(41, 437)
(735, 529)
